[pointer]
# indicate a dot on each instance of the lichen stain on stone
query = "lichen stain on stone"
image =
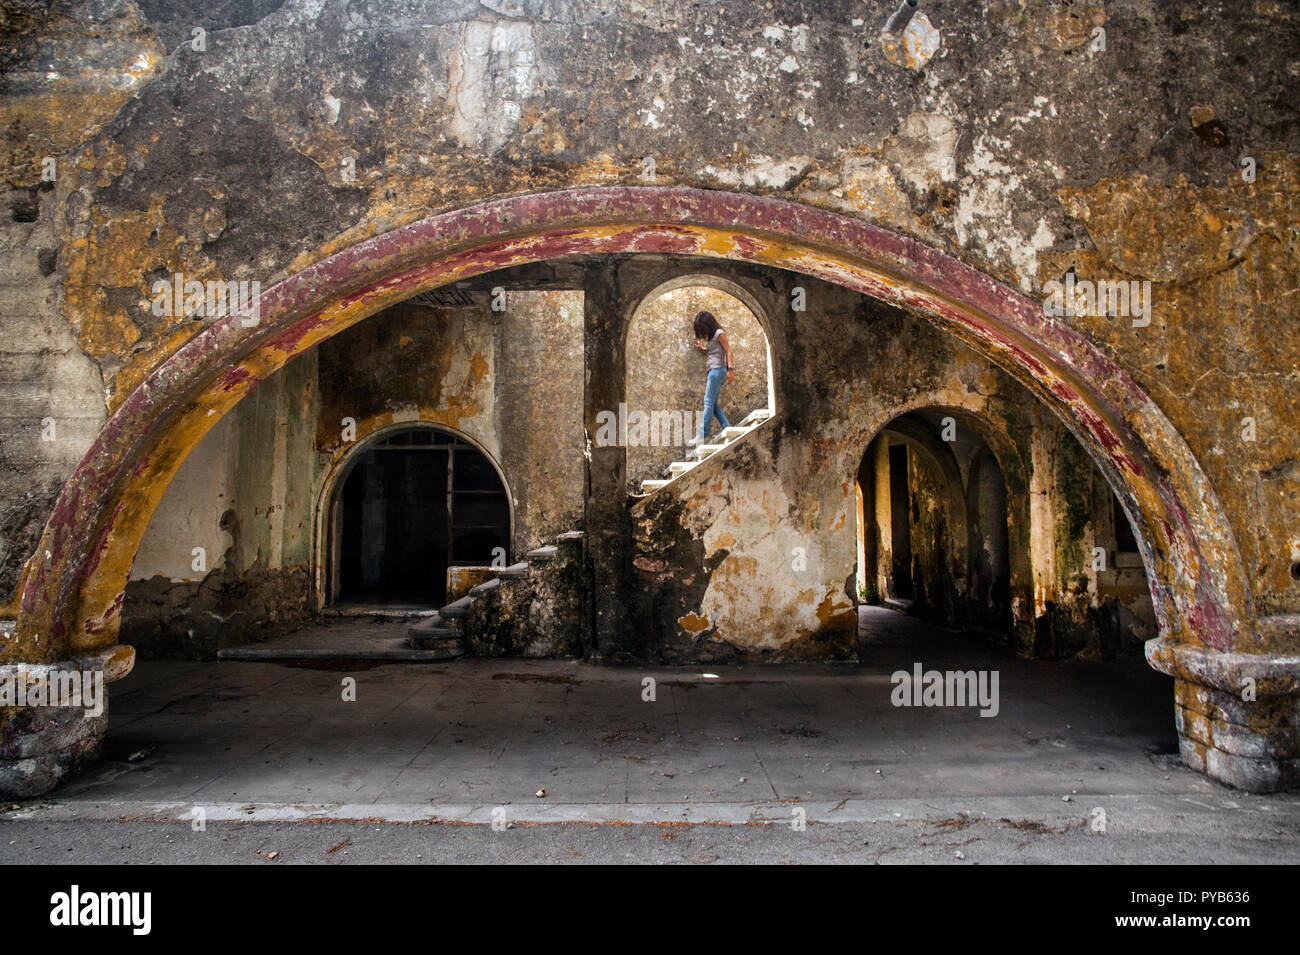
(694, 624)
(53, 115)
(122, 255)
(1177, 232)
(915, 46)
(1073, 26)
(1226, 250)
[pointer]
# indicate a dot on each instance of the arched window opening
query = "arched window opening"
(666, 372)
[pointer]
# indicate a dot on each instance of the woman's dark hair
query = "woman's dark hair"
(706, 325)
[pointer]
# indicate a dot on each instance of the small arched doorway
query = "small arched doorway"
(410, 503)
(933, 523)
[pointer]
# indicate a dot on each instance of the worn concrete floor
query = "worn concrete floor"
(477, 740)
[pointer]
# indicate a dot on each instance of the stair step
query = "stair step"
(435, 639)
(440, 651)
(702, 451)
(434, 624)
(570, 536)
(543, 553)
(432, 635)
(514, 570)
(485, 587)
(454, 611)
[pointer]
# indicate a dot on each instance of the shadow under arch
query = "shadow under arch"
(1014, 471)
(72, 587)
(943, 462)
(329, 485)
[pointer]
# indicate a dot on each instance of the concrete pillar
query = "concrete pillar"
(42, 745)
(606, 519)
(1237, 714)
(884, 518)
(865, 499)
(1042, 513)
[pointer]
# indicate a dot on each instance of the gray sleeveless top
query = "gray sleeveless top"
(717, 355)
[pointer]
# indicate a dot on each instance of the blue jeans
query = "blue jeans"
(712, 386)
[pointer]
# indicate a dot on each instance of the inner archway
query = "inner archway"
(934, 529)
(412, 502)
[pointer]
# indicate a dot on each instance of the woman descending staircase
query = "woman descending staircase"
(524, 610)
(703, 451)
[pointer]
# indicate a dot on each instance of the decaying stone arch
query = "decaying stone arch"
(72, 588)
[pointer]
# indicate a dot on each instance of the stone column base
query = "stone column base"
(1237, 714)
(42, 745)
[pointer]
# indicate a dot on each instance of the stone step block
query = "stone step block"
(702, 451)
(486, 587)
(456, 610)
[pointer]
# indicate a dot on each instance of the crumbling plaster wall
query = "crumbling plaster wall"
(509, 379)
(1022, 148)
(540, 367)
(228, 551)
(752, 554)
(1102, 604)
(51, 392)
(249, 495)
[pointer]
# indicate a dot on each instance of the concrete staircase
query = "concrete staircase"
(441, 634)
(702, 452)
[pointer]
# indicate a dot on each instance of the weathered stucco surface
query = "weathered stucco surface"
(753, 554)
(1024, 148)
(500, 379)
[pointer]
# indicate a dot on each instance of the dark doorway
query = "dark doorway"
(989, 586)
(412, 505)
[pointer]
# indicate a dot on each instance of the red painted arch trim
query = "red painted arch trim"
(1191, 556)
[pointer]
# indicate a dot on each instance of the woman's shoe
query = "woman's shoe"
(695, 441)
